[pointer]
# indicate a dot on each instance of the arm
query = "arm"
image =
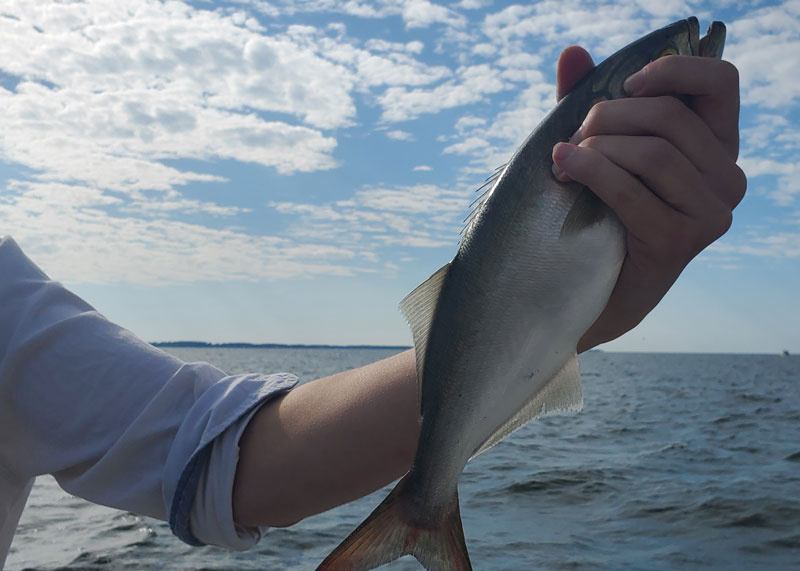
(338, 438)
(328, 442)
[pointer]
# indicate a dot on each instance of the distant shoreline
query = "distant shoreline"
(205, 345)
(241, 345)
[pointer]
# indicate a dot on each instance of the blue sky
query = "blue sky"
(275, 171)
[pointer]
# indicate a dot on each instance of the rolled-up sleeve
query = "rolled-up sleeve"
(114, 419)
(205, 447)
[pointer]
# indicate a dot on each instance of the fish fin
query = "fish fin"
(477, 205)
(387, 535)
(561, 393)
(587, 210)
(418, 308)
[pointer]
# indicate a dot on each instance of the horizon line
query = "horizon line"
(248, 345)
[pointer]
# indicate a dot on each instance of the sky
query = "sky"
(277, 171)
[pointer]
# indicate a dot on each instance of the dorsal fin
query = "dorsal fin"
(418, 308)
(477, 205)
(561, 393)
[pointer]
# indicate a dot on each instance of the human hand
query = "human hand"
(666, 167)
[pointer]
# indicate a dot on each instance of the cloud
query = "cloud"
(104, 93)
(778, 245)
(68, 232)
(378, 63)
(415, 13)
(472, 84)
(117, 141)
(399, 135)
(468, 146)
(765, 46)
(259, 6)
(474, 4)
(491, 144)
(107, 93)
(140, 116)
(420, 216)
(766, 129)
(106, 105)
(183, 206)
(600, 27)
(421, 13)
(379, 45)
(423, 198)
(786, 172)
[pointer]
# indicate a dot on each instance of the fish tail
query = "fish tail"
(390, 532)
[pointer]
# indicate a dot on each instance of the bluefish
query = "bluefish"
(496, 330)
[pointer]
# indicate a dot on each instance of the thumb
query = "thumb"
(573, 63)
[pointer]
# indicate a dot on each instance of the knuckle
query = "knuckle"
(739, 185)
(716, 225)
(725, 222)
(671, 111)
(592, 142)
(730, 74)
(683, 235)
(633, 198)
(594, 118)
(656, 153)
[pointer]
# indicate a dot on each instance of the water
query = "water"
(677, 462)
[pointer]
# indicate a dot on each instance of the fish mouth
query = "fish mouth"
(709, 45)
(694, 35)
(713, 42)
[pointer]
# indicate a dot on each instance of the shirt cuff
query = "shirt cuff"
(202, 461)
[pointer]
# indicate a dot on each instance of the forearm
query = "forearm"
(328, 442)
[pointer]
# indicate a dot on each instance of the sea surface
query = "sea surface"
(677, 462)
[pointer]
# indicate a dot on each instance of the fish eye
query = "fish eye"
(668, 51)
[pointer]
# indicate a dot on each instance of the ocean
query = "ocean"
(678, 461)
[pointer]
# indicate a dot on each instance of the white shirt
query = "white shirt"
(114, 419)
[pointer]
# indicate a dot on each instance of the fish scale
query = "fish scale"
(496, 330)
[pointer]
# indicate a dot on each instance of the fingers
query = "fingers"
(573, 63)
(651, 186)
(657, 164)
(665, 117)
(712, 84)
(669, 119)
(639, 209)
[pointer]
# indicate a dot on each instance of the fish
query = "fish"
(496, 329)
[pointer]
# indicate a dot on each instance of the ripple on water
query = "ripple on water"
(580, 484)
(787, 542)
(752, 397)
(756, 512)
(88, 559)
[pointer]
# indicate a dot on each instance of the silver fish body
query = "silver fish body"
(496, 329)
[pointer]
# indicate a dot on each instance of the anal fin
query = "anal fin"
(561, 393)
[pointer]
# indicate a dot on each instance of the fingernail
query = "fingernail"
(634, 83)
(577, 136)
(561, 152)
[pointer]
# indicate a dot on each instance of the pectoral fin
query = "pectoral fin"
(561, 393)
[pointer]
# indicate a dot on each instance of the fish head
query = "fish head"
(679, 38)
